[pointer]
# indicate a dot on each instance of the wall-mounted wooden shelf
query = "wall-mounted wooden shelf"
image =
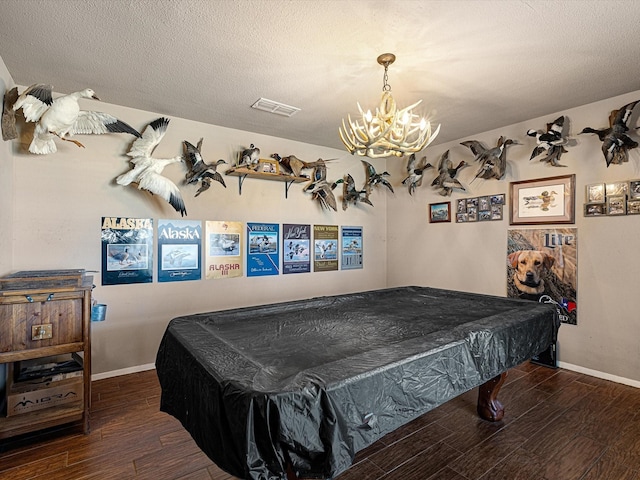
(242, 173)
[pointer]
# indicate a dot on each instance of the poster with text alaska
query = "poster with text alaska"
(222, 250)
(351, 248)
(296, 245)
(263, 251)
(325, 248)
(542, 266)
(127, 250)
(179, 250)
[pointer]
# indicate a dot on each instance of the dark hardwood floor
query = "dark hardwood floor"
(559, 425)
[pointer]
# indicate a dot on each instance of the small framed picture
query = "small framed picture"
(595, 193)
(616, 205)
(268, 166)
(634, 189)
(496, 212)
(633, 207)
(472, 202)
(617, 188)
(472, 213)
(594, 209)
(484, 215)
(483, 203)
(462, 217)
(497, 199)
(462, 206)
(439, 212)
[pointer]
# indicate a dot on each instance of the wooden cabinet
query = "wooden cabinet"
(46, 314)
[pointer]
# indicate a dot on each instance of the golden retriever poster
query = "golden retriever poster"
(542, 266)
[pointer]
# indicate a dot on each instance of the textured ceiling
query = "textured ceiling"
(477, 65)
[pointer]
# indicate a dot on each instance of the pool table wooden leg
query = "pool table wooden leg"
(489, 407)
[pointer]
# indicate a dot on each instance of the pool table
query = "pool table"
(294, 390)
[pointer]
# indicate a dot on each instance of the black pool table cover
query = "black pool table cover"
(312, 382)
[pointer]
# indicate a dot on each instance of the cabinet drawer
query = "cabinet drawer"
(40, 322)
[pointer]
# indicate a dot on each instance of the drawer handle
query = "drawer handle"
(30, 298)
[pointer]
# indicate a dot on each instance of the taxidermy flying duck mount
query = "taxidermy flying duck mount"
(146, 170)
(321, 190)
(550, 142)
(415, 172)
(351, 195)
(199, 170)
(615, 141)
(446, 180)
(374, 178)
(61, 117)
(493, 161)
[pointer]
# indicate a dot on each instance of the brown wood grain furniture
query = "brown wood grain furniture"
(45, 314)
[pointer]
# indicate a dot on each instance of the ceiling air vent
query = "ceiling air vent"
(275, 107)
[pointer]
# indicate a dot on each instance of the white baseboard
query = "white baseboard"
(567, 366)
(597, 374)
(124, 371)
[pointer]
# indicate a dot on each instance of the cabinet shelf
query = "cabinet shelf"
(57, 303)
(242, 173)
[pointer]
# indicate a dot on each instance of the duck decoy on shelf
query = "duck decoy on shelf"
(374, 178)
(292, 165)
(415, 171)
(63, 118)
(146, 171)
(493, 160)
(446, 180)
(199, 170)
(552, 142)
(615, 141)
(250, 157)
(350, 194)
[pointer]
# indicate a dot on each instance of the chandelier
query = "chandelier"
(390, 132)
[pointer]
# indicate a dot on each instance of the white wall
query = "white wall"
(472, 257)
(59, 200)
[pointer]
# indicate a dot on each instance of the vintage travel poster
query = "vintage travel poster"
(223, 257)
(127, 250)
(179, 250)
(325, 248)
(263, 252)
(351, 248)
(296, 243)
(542, 266)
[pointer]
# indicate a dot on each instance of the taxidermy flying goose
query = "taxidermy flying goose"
(199, 170)
(63, 118)
(146, 171)
(493, 160)
(374, 178)
(550, 142)
(446, 180)
(615, 141)
(415, 171)
(350, 194)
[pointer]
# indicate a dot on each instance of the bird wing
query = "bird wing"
(151, 137)
(191, 155)
(34, 101)
(164, 188)
(98, 122)
(620, 117)
(411, 163)
(444, 163)
(475, 146)
(214, 176)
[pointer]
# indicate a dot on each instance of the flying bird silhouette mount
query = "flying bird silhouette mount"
(552, 142)
(446, 180)
(615, 141)
(146, 171)
(61, 117)
(493, 161)
(199, 170)
(374, 178)
(415, 172)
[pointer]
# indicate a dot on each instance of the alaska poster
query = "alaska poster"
(127, 249)
(223, 254)
(263, 252)
(542, 266)
(325, 248)
(296, 243)
(351, 248)
(179, 250)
